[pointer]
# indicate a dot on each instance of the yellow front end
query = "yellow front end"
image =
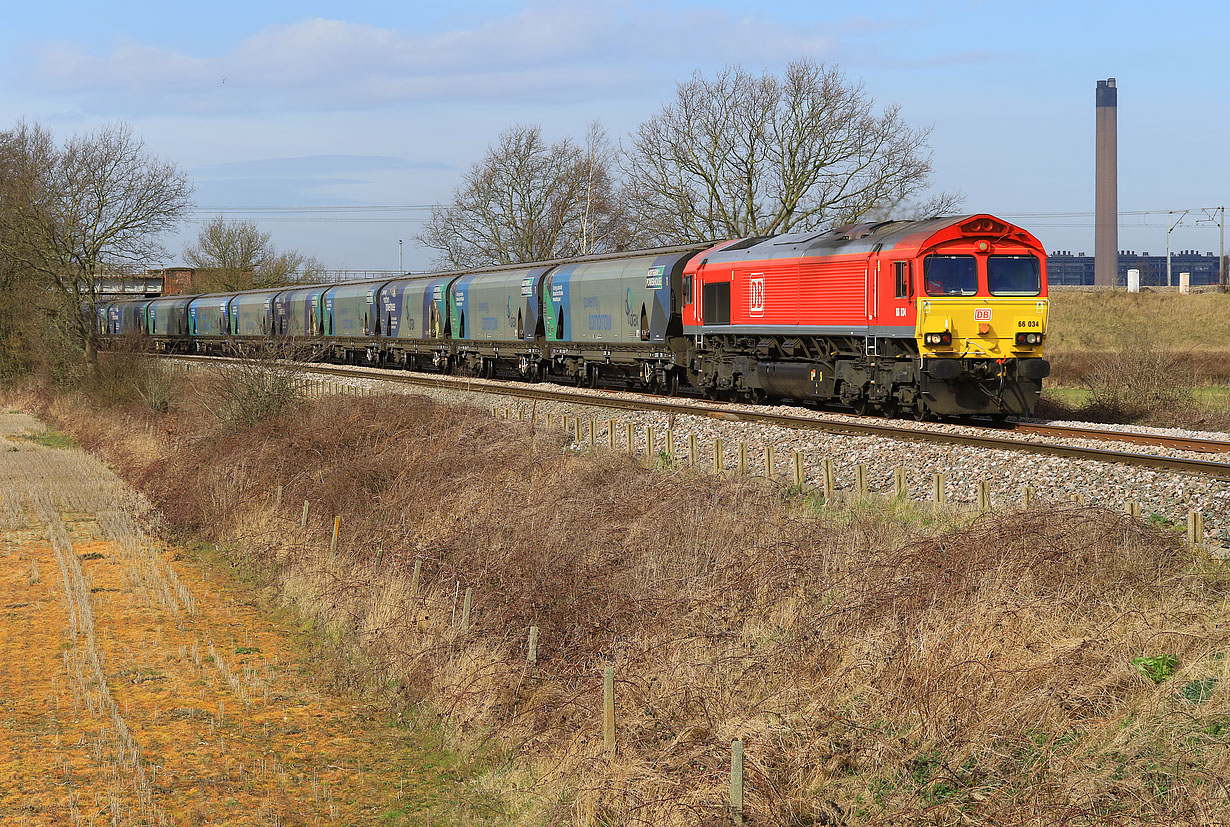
(980, 327)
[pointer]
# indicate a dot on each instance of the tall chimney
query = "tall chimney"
(1106, 188)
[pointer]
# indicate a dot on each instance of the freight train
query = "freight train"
(934, 318)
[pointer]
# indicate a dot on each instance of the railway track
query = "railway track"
(1192, 444)
(991, 438)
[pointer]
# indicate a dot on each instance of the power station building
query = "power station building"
(1065, 267)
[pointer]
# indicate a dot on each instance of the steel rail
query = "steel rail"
(1196, 445)
(1207, 468)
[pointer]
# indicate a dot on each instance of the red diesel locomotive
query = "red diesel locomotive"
(942, 317)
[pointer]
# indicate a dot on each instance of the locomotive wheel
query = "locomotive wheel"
(592, 377)
(890, 409)
(671, 388)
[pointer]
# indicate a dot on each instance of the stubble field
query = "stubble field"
(138, 685)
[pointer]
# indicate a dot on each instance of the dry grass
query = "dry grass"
(1142, 357)
(127, 377)
(256, 387)
(879, 663)
(1093, 322)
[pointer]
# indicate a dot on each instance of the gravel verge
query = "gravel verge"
(1165, 498)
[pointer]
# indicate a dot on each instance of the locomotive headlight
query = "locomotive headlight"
(1029, 338)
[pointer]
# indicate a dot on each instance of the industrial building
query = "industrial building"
(1065, 267)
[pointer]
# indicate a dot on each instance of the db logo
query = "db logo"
(982, 314)
(755, 296)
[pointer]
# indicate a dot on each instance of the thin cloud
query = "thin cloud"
(316, 165)
(553, 53)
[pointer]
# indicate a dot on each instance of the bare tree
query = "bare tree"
(740, 155)
(527, 200)
(236, 255)
(91, 208)
(23, 151)
(941, 203)
(289, 267)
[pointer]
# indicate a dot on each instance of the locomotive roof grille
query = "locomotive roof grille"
(862, 237)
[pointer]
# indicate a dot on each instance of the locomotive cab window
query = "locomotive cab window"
(902, 271)
(950, 275)
(1014, 276)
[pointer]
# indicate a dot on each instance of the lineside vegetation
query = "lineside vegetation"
(880, 662)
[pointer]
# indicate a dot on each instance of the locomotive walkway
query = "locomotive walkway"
(990, 437)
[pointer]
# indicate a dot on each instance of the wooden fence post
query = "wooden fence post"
(303, 518)
(1027, 496)
(610, 432)
(984, 495)
(465, 610)
(717, 455)
(860, 479)
(1195, 528)
(531, 654)
(1132, 508)
(797, 462)
(743, 459)
(337, 526)
(736, 780)
(576, 430)
(630, 429)
(651, 440)
(670, 444)
(608, 711)
(692, 450)
(593, 432)
(938, 495)
(770, 464)
(277, 500)
(901, 484)
(830, 480)
(414, 578)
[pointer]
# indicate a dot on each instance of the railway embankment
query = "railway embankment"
(879, 660)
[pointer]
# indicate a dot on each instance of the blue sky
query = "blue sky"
(281, 104)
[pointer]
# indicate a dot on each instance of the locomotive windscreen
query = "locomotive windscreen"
(951, 275)
(1014, 276)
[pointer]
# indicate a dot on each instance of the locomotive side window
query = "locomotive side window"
(1014, 276)
(902, 272)
(950, 275)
